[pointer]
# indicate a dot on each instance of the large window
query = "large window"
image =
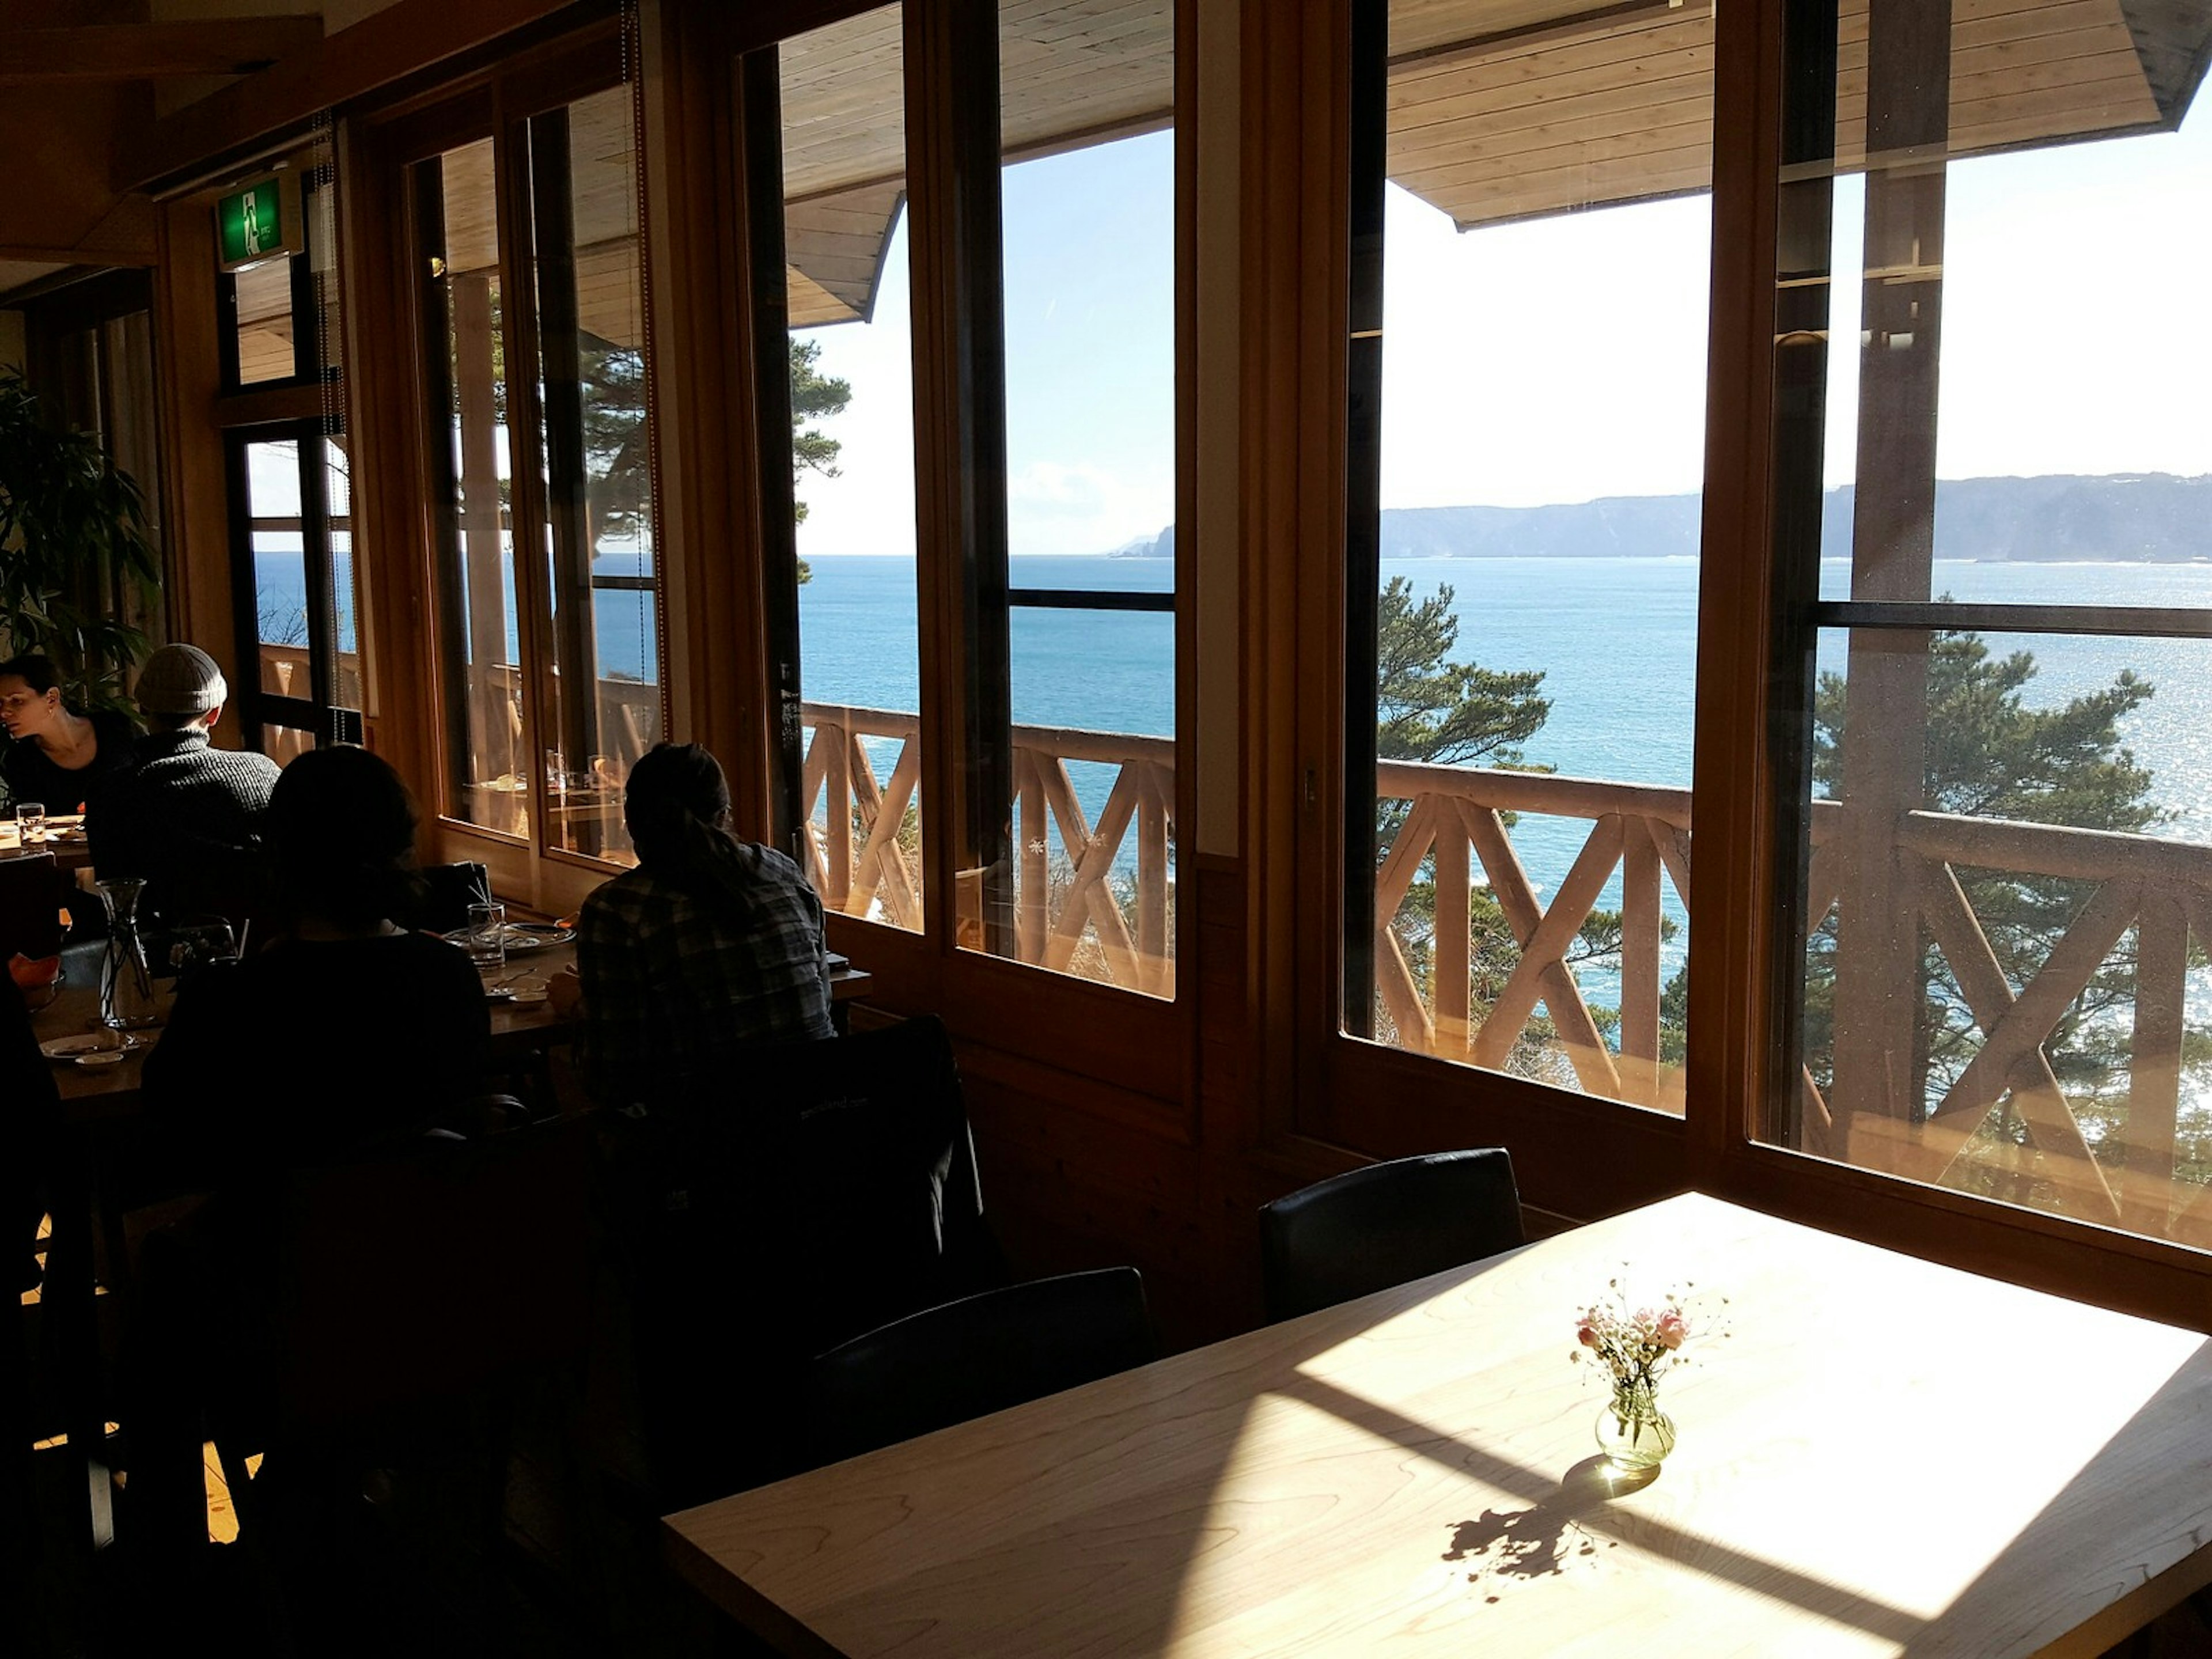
(1995, 252)
(1088, 288)
(539, 457)
(1043, 559)
(292, 527)
(294, 586)
(1528, 375)
(849, 345)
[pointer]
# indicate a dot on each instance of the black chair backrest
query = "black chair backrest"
(1370, 1229)
(31, 898)
(837, 1179)
(431, 1273)
(448, 889)
(976, 1356)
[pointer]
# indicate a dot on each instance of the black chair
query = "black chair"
(821, 1189)
(846, 1167)
(976, 1356)
(421, 1292)
(1383, 1225)
(32, 894)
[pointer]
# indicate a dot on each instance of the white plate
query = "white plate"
(92, 1048)
(521, 941)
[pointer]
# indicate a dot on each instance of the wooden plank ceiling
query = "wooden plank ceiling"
(1498, 109)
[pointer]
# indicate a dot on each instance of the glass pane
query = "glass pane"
(1536, 477)
(345, 591)
(264, 323)
(1086, 110)
(852, 462)
(280, 575)
(600, 676)
(2010, 862)
(482, 687)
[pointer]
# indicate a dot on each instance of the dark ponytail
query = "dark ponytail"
(677, 803)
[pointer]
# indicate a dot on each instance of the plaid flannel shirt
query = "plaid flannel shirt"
(674, 991)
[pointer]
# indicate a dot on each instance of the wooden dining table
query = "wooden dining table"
(101, 1103)
(520, 1030)
(1877, 1455)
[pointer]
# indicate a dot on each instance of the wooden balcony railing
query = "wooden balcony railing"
(1097, 899)
(1073, 913)
(2129, 1172)
(1454, 821)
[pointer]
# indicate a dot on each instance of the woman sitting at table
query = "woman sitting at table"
(55, 756)
(347, 1033)
(711, 946)
(348, 1029)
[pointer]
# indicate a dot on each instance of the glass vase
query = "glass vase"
(1633, 1433)
(126, 985)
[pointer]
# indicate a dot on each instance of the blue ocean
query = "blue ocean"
(1615, 640)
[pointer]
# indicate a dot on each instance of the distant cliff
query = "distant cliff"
(2145, 518)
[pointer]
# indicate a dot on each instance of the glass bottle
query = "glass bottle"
(126, 986)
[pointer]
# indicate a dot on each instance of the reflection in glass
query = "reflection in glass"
(599, 680)
(482, 685)
(265, 331)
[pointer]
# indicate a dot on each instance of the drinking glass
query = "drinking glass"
(486, 937)
(31, 821)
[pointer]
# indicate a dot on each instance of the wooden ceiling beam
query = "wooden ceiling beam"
(384, 47)
(147, 51)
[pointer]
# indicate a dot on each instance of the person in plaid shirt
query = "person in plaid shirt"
(710, 946)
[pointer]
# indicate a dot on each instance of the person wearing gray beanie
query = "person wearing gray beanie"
(186, 817)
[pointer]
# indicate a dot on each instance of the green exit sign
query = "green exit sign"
(259, 221)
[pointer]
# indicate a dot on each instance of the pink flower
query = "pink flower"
(1671, 1329)
(1586, 1333)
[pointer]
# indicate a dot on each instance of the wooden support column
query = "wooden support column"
(1879, 1057)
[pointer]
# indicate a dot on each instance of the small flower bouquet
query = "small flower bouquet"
(1637, 1347)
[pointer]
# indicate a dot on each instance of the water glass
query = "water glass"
(30, 821)
(486, 937)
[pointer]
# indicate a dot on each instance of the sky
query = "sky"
(1562, 359)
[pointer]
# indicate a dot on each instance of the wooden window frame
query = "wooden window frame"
(497, 101)
(1143, 1043)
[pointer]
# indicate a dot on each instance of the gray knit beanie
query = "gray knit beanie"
(181, 679)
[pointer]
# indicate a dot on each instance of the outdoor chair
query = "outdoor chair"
(1384, 1224)
(979, 1355)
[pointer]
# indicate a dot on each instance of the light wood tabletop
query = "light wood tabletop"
(1877, 1456)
